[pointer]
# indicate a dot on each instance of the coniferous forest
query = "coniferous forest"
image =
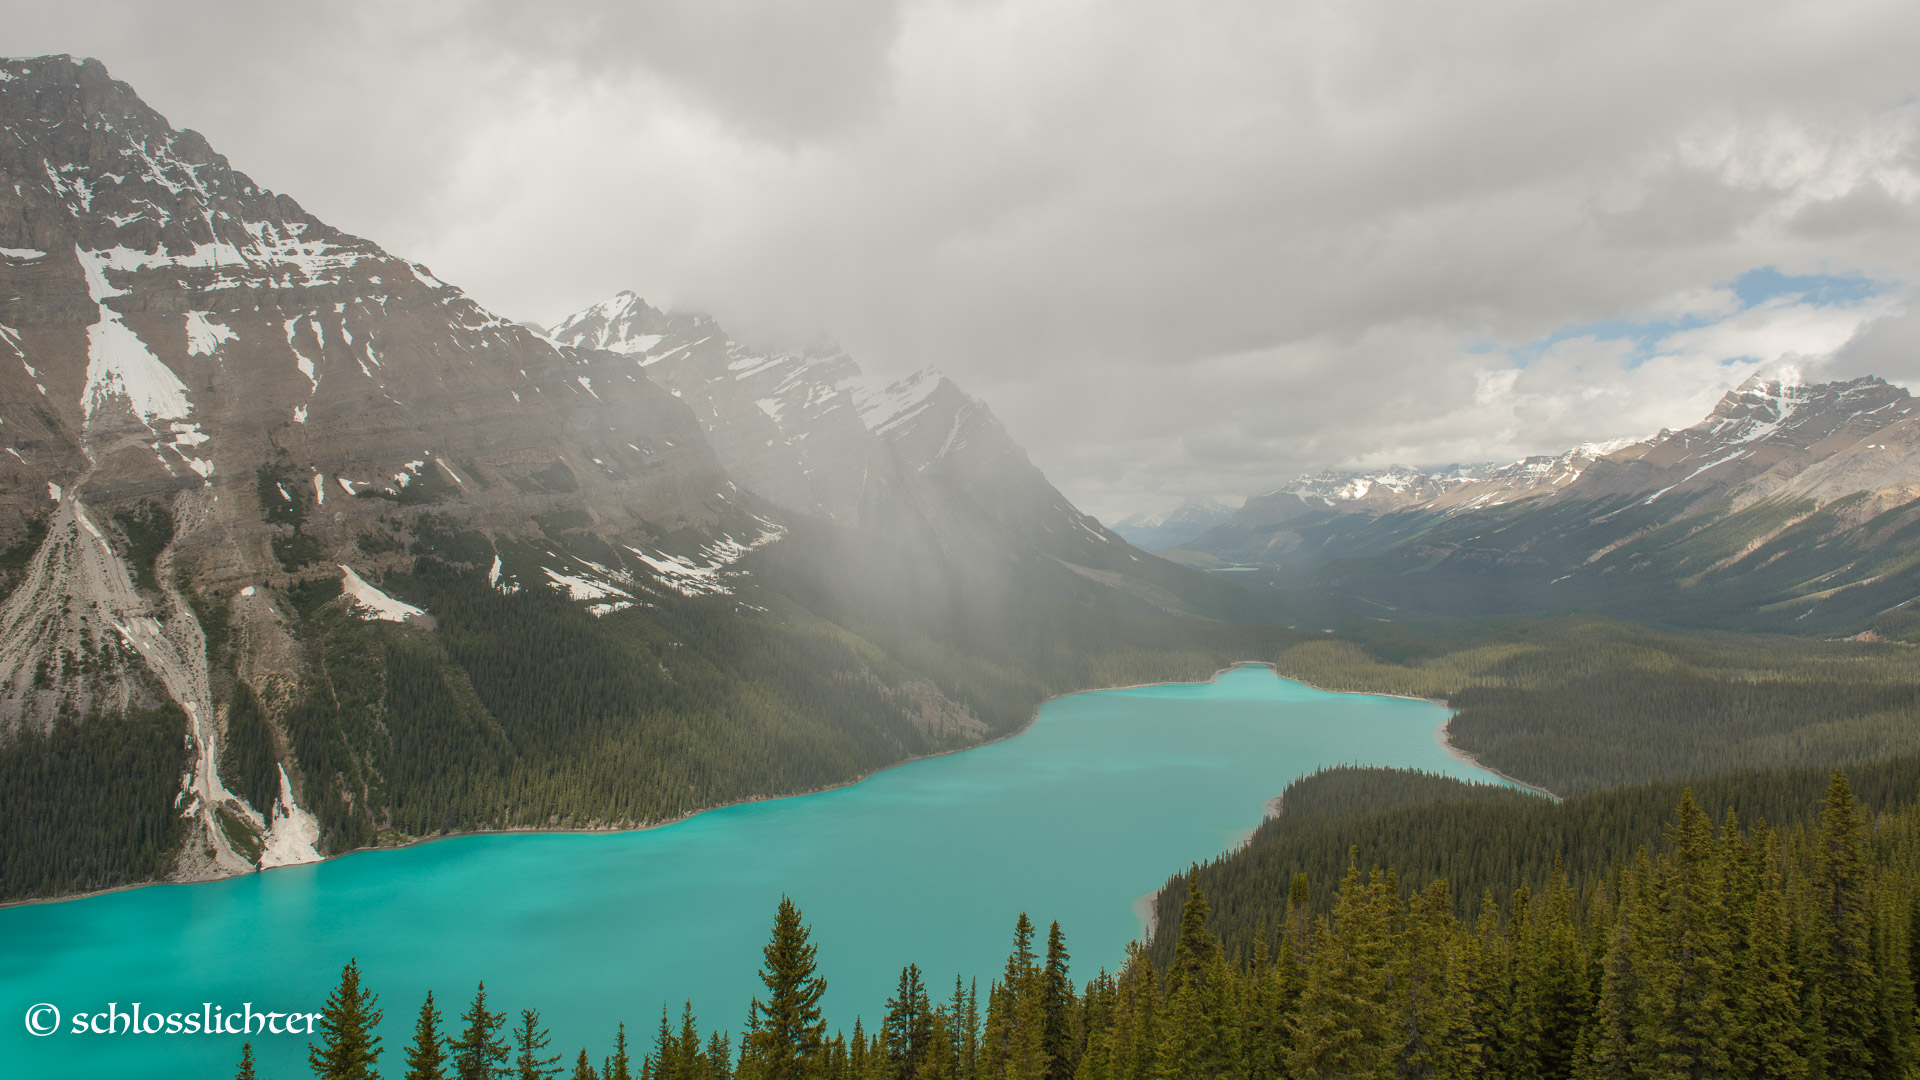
(1723, 948)
(522, 710)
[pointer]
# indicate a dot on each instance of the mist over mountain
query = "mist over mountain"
(389, 563)
(1151, 531)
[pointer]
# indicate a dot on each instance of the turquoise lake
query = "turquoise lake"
(1096, 804)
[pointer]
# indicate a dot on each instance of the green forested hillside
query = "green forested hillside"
(523, 710)
(1581, 702)
(834, 654)
(90, 805)
(1478, 837)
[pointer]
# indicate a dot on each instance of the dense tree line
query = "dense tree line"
(1481, 838)
(1579, 703)
(522, 709)
(89, 804)
(1723, 951)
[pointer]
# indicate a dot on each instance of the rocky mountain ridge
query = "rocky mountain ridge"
(272, 387)
(385, 563)
(812, 433)
(1782, 476)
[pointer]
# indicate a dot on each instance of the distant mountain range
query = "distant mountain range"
(1159, 531)
(1792, 506)
(388, 563)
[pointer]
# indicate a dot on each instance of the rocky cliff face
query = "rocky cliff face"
(784, 424)
(810, 432)
(358, 560)
(180, 347)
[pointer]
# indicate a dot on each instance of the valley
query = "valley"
(410, 568)
(933, 859)
(346, 621)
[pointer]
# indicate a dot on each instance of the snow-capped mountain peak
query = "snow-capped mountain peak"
(622, 323)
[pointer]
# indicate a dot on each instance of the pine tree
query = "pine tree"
(688, 1053)
(1549, 988)
(426, 1055)
(1011, 1048)
(942, 1058)
(1842, 972)
(1263, 1012)
(719, 1056)
(1489, 966)
(1431, 988)
(857, 1051)
(529, 1040)
(1136, 1019)
(996, 1041)
(1026, 1052)
(583, 1069)
(348, 1047)
(963, 1017)
(907, 1029)
(1343, 1027)
(1612, 1046)
(1203, 1027)
(1059, 1010)
(790, 1034)
(1894, 1048)
(1766, 1043)
(246, 1063)
(1096, 1013)
(480, 1053)
(618, 1066)
(1690, 995)
(1297, 936)
(663, 1063)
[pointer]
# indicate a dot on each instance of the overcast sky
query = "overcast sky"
(1181, 248)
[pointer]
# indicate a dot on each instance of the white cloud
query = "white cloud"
(1180, 248)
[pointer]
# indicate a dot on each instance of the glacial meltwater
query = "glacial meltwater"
(1092, 807)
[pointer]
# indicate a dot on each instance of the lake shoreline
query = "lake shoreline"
(1147, 907)
(1442, 736)
(1032, 719)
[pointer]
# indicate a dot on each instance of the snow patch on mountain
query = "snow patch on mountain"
(369, 603)
(888, 405)
(293, 837)
(119, 364)
(204, 335)
(600, 586)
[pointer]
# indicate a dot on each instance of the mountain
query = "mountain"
(1151, 531)
(1250, 535)
(1791, 506)
(303, 550)
(916, 459)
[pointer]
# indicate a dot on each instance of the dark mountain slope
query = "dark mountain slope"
(320, 553)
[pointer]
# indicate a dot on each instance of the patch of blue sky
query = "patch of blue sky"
(1752, 289)
(1756, 287)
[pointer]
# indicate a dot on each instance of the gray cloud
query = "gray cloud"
(1179, 248)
